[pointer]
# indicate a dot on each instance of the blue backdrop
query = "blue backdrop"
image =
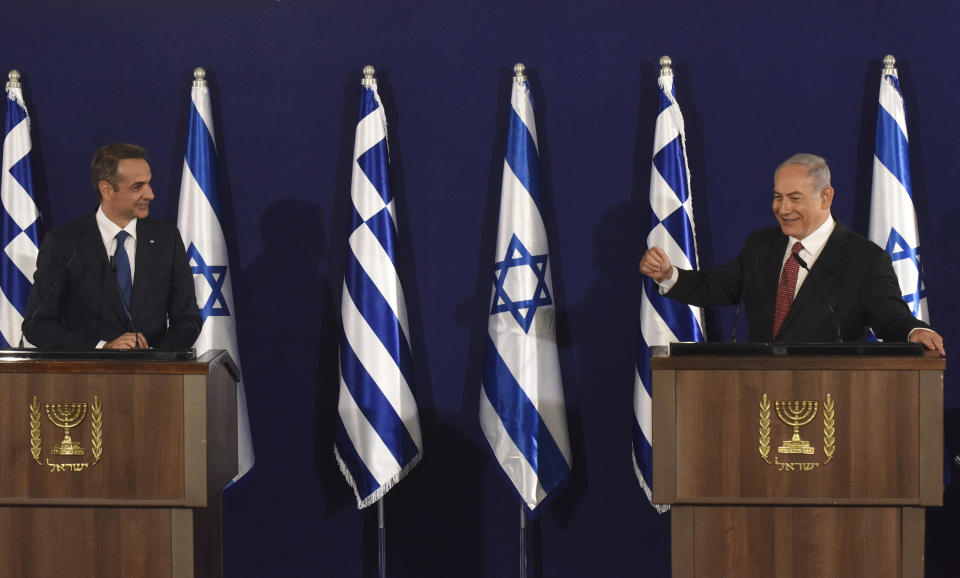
(757, 81)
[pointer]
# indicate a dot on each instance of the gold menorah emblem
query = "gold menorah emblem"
(67, 416)
(796, 414)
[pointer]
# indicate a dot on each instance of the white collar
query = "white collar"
(814, 242)
(109, 229)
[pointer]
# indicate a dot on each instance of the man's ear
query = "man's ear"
(826, 197)
(106, 190)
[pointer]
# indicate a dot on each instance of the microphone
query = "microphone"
(123, 300)
(53, 289)
(743, 293)
(833, 312)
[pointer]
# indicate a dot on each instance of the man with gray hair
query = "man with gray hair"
(810, 279)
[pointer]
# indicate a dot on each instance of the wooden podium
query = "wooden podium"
(763, 484)
(158, 441)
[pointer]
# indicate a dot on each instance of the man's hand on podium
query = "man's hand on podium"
(127, 341)
(929, 338)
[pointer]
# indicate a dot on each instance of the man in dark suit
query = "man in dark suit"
(810, 279)
(115, 279)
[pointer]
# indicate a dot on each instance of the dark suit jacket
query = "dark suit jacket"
(75, 301)
(853, 277)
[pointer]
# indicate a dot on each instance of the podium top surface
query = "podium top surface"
(107, 361)
(859, 355)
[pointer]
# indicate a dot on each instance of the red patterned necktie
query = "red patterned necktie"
(786, 288)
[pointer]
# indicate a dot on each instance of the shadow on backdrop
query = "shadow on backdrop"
(291, 393)
(606, 320)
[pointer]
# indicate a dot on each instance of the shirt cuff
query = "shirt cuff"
(917, 329)
(101, 344)
(667, 284)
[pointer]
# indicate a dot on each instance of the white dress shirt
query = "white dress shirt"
(812, 247)
(109, 230)
(108, 233)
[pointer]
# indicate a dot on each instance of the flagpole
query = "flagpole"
(523, 543)
(381, 539)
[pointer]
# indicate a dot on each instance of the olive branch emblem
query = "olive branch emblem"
(35, 430)
(765, 429)
(96, 426)
(829, 431)
(96, 423)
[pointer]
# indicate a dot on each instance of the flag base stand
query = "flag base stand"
(381, 540)
(523, 543)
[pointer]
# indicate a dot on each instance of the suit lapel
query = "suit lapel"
(91, 246)
(142, 269)
(815, 282)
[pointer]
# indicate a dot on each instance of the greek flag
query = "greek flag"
(18, 260)
(664, 321)
(893, 221)
(199, 222)
(521, 400)
(378, 434)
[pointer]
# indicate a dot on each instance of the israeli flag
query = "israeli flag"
(662, 320)
(199, 222)
(893, 221)
(18, 260)
(521, 400)
(378, 434)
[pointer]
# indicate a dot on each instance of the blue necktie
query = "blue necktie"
(122, 263)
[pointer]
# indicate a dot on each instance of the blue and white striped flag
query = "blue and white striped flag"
(522, 409)
(662, 320)
(893, 221)
(199, 222)
(18, 260)
(378, 434)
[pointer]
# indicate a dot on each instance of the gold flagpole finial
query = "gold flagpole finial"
(14, 79)
(665, 64)
(199, 76)
(368, 76)
(889, 65)
(519, 72)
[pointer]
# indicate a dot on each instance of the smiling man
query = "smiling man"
(810, 279)
(115, 279)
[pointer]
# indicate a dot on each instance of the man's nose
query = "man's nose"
(148, 192)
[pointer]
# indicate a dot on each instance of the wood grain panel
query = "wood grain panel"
(142, 438)
(664, 424)
(794, 542)
(877, 436)
(85, 542)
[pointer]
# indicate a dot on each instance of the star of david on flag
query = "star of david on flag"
(20, 217)
(214, 276)
(198, 219)
(519, 260)
(893, 220)
(662, 320)
(522, 410)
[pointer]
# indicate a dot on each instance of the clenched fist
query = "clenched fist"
(656, 265)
